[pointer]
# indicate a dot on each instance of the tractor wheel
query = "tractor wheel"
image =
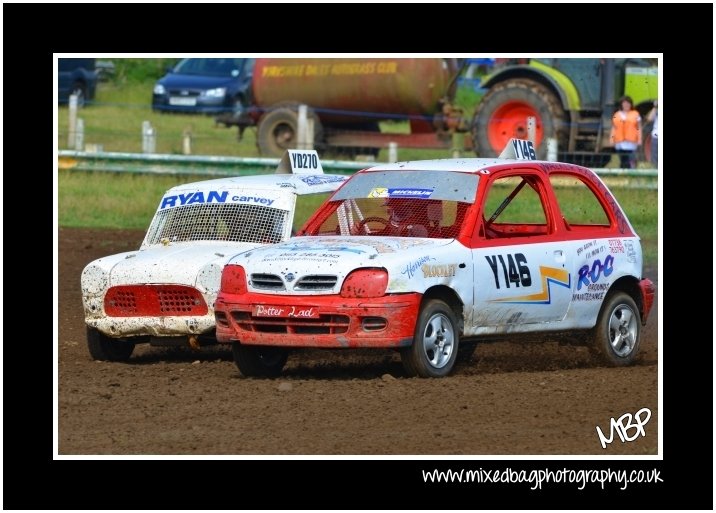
(278, 131)
(502, 114)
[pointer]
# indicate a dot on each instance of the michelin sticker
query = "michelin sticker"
(384, 192)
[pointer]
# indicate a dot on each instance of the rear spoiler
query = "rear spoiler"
(300, 162)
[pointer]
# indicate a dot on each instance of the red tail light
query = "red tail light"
(233, 280)
(365, 283)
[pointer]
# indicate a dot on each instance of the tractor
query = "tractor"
(572, 101)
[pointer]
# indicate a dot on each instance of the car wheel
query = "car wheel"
(435, 343)
(102, 347)
(259, 361)
(80, 90)
(618, 330)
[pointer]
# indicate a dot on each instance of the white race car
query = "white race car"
(424, 256)
(164, 292)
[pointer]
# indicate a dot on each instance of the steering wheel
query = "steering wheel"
(363, 222)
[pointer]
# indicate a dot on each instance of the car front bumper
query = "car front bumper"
(201, 105)
(648, 290)
(334, 322)
(119, 327)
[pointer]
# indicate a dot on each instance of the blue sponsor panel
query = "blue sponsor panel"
(322, 179)
(211, 197)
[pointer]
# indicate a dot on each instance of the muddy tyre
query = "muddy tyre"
(502, 114)
(278, 131)
(618, 331)
(435, 343)
(102, 347)
(259, 361)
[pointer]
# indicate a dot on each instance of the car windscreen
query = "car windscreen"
(435, 185)
(209, 67)
(423, 204)
(218, 222)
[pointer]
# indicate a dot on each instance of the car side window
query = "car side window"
(514, 207)
(306, 205)
(580, 207)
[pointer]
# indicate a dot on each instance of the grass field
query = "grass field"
(114, 200)
(114, 120)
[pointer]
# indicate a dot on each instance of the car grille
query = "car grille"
(316, 282)
(184, 92)
(154, 300)
(266, 281)
(325, 324)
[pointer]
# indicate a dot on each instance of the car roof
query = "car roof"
(466, 165)
(297, 184)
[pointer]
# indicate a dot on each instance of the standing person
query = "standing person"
(653, 116)
(626, 132)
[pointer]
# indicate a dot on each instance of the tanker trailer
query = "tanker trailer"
(346, 99)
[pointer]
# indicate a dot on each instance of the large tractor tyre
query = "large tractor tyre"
(502, 114)
(617, 334)
(259, 361)
(104, 348)
(278, 131)
(435, 344)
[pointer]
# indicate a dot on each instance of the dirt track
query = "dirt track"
(520, 398)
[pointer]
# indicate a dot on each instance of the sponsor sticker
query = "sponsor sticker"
(322, 179)
(378, 192)
(403, 192)
(410, 193)
(286, 311)
(190, 198)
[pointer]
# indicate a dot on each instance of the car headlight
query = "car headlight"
(94, 280)
(209, 278)
(369, 282)
(159, 89)
(233, 280)
(219, 92)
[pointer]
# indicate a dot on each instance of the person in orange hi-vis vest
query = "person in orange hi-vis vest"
(626, 132)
